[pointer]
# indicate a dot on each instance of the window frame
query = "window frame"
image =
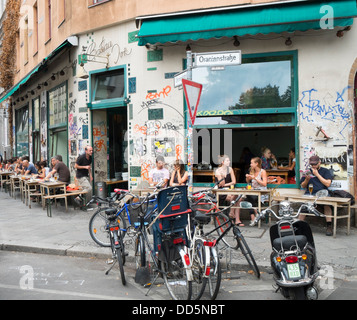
(293, 110)
(106, 103)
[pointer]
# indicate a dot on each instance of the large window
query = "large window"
(108, 88)
(22, 131)
(58, 132)
(57, 99)
(36, 137)
(256, 101)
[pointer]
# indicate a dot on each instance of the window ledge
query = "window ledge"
(97, 4)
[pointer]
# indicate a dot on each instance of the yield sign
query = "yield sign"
(193, 94)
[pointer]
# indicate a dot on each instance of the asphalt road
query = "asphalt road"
(27, 276)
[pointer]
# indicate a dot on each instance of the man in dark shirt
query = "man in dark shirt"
(320, 179)
(84, 172)
(61, 169)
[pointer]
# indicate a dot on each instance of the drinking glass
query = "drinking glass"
(311, 188)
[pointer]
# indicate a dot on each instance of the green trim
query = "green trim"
(107, 103)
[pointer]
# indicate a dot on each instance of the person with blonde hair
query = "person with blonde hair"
(267, 158)
(226, 173)
(259, 180)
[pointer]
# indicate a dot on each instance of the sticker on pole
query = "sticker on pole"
(192, 94)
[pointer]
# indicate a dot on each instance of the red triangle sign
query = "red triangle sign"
(193, 92)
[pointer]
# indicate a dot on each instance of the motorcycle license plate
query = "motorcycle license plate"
(294, 270)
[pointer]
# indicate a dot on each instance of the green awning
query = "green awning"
(68, 42)
(254, 20)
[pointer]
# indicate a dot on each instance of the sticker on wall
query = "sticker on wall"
(164, 147)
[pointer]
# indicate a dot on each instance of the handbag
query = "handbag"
(342, 194)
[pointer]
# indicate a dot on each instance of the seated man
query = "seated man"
(159, 173)
(60, 168)
(320, 179)
(28, 167)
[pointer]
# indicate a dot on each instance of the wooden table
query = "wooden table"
(15, 184)
(31, 189)
(204, 173)
(5, 177)
(331, 201)
(46, 188)
(244, 191)
(278, 172)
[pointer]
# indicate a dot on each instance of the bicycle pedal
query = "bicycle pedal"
(109, 261)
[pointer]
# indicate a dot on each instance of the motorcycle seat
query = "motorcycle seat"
(289, 242)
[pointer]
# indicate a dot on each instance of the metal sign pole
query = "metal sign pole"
(189, 131)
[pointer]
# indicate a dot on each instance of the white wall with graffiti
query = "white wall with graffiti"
(325, 112)
(156, 120)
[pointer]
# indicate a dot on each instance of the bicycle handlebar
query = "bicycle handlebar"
(309, 206)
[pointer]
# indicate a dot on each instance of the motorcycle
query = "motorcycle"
(293, 258)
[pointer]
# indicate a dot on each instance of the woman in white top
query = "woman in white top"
(258, 178)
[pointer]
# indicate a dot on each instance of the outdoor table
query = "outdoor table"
(46, 188)
(15, 184)
(31, 189)
(331, 201)
(245, 191)
(142, 191)
(5, 177)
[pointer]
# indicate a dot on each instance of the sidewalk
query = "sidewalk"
(66, 233)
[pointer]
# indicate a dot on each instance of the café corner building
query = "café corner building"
(295, 86)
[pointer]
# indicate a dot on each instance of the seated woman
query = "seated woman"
(267, 158)
(258, 178)
(43, 170)
(291, 166)
(226, 173)
(179, 176)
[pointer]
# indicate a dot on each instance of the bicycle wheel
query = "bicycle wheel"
(215, 276)
(221, 221)
(176, 281)
(119, 256)
(98, 227)
(140, 254)
(247, 253)
(198, 270)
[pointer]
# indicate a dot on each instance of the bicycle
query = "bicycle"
(116, 243)
(223, 224)
(200, 251)
(168, 256)
(98, 224)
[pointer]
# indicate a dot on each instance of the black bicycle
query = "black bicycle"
(168, 257)
(116, 236)
(223, 224)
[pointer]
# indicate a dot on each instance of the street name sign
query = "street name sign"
(218, 59)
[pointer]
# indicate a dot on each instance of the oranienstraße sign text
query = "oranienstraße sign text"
(212, 59)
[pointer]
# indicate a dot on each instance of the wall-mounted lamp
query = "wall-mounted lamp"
(236, 42)
(288, 42)
(82, 73)
(340, 33)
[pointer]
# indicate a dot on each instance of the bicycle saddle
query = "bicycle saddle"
(202, 218)
(110, 212)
